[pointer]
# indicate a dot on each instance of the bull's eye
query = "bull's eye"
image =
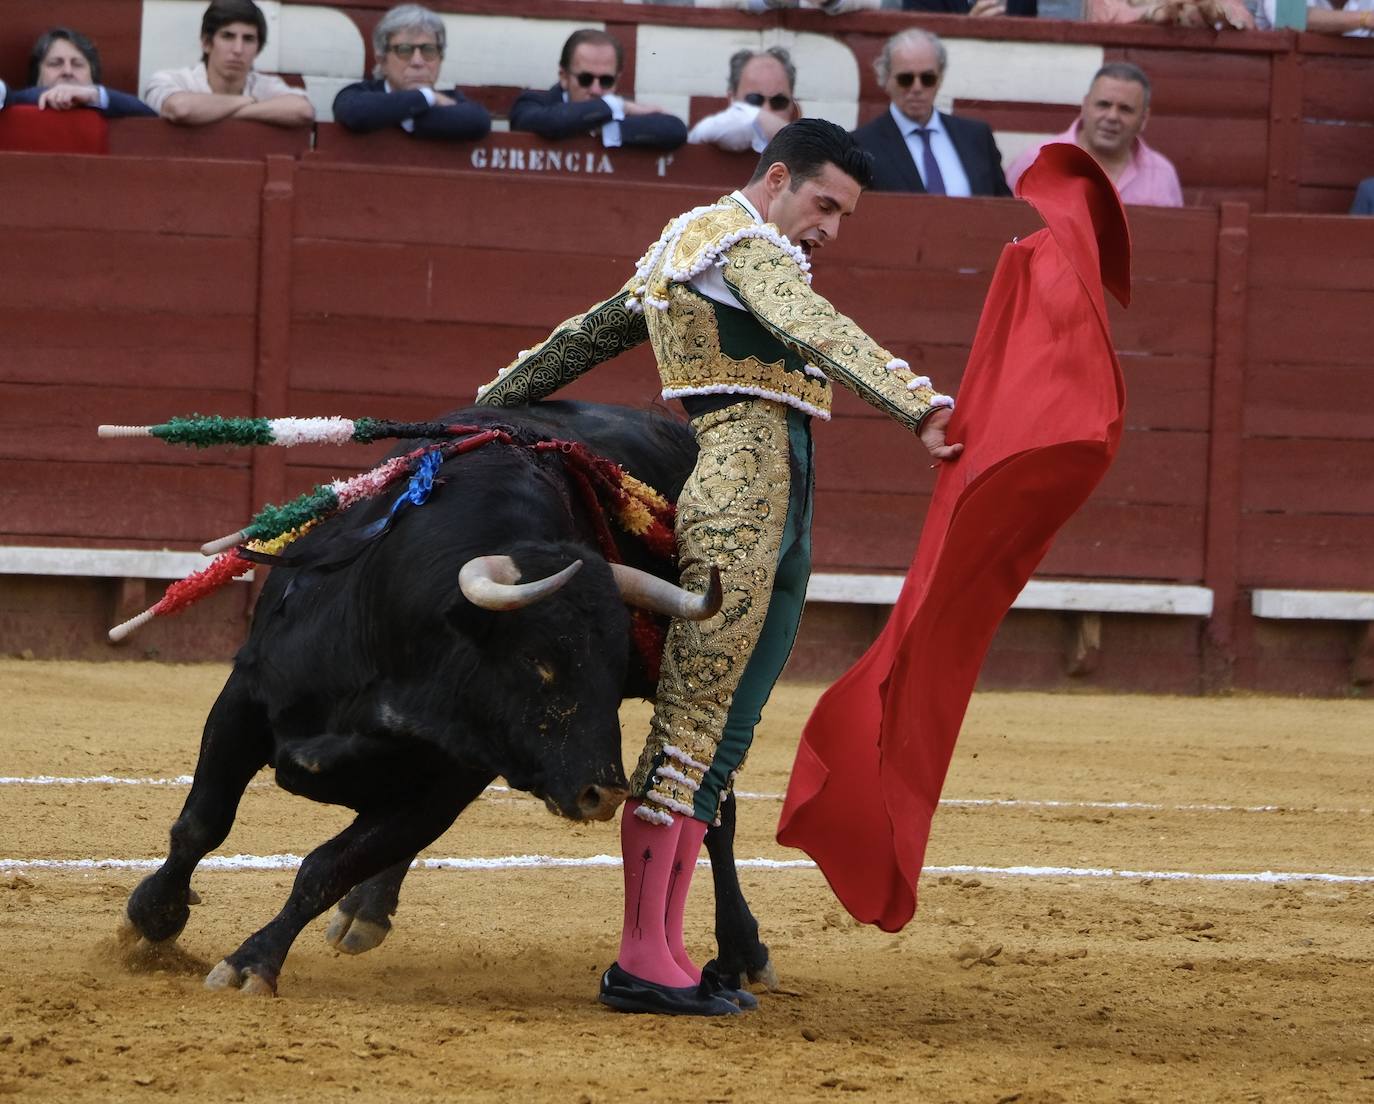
(545, 671)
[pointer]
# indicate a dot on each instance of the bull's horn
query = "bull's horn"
(649, 592)
(492, 582)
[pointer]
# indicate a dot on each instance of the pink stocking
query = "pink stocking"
(679, 882)
(649, 852)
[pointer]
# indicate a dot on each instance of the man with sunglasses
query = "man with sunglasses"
(724, 299)
(585, 100)
(409, 42)
(760, 90)
(916, 148)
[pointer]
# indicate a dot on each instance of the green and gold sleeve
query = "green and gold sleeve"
(772, 287)
(573, 348)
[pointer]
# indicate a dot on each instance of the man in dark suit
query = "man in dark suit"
(409, 43)
(916, 148)
(584, 100)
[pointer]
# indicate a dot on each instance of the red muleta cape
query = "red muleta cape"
(1039, 413)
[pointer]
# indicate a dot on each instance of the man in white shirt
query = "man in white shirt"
(225, 85)
(760, 90)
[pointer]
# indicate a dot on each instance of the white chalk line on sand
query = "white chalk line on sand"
(184, 780)
(539, 862)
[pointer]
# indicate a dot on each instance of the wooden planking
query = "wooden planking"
(120, 270)
(1152, 467)
(1337, 88)
(1297, 476)
(85, 343)
(162, 196)
(1309, 400)
(1297, 251)
(176, 505)
(1214, 151)
(229, 139)
(1324, 200)
(1164, 392)
(58, 422)
(1309, 326)
(1204, 82)
(1305, 550)
(1335, 154)
(863, 530)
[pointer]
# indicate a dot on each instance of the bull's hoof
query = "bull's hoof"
(225, 976)
(127, 934)
(765, 975)
(354, 935)
(192, 897)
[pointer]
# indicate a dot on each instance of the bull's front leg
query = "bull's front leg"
(236, 743)
(380, 838)
(363, 918)
(740, 952)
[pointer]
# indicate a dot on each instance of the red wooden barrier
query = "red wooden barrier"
(314, 287)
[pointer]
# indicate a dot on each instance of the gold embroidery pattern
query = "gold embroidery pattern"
(769, 283)
(687, 344)
(732, 514)
(574, 347)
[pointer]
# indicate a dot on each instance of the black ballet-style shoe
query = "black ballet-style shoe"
(626, 993)
(728, 986)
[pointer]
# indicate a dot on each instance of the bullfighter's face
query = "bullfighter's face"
(809, 212)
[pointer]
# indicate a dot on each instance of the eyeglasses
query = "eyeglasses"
(929, 79)
(776, 103)
(606, 80)
(404, 50)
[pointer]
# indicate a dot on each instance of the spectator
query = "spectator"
(1115, 111)
(409, 43)
(1182, 13)
(64, 72)
(949, 7)
(584, 101)
(1364, 198)
(1354, 18)
(225, 85)
(916, 148)
(760, 89)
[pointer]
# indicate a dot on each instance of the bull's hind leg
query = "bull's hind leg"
(363, 918)
(740, 953)
(380, 838)
(235, 745)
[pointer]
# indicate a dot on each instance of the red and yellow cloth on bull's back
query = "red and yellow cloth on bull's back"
(1040, 415)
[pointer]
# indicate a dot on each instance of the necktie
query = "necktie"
(935, 183)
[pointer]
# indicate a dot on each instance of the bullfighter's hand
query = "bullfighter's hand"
(933, 435)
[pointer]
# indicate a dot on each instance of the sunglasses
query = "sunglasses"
(606, 80)
(404, 50)
(929, 79)
(776, 103)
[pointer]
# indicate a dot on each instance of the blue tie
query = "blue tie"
(935, 183)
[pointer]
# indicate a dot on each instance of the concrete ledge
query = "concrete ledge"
(1313, 605)
(1039, 594)
(117, 563)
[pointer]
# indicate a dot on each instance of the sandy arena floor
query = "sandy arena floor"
(1118, 987)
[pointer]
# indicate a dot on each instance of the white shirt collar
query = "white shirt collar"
(908, 126)
(738, 197)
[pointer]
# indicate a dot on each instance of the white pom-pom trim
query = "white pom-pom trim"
(685, 759)
(677, 776)
(654, 816)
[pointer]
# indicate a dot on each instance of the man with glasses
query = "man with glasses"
(585, 100)
(916, 148)
(408, 42)
(760, 90)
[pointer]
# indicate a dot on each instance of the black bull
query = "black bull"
(368, 680)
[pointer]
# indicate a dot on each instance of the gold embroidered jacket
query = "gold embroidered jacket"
(784, 342)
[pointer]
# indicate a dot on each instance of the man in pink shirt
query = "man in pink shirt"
(1114, 113)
